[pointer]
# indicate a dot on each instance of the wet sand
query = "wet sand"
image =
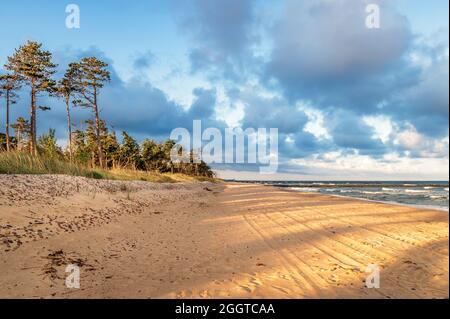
(204, 240)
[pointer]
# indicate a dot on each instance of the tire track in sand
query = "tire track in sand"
(301, 272)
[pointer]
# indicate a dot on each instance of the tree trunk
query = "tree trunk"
(69, 127)
(97, 129)
(7, 121)
(33, 148)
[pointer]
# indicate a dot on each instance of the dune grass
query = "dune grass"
(24, 163)
(123, 174)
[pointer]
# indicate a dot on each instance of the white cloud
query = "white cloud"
(381, 125)
(393, 167)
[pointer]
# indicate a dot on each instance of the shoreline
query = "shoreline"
(436, 208)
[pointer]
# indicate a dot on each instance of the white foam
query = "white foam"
(305, 189)
(415, 191)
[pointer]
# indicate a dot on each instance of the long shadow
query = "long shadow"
(416, 277)
(295, 240)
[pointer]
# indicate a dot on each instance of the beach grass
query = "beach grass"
(25, 163)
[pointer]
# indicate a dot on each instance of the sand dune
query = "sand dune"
(203, 240)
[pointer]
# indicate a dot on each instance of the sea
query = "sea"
(430, 194)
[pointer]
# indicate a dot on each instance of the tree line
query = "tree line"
(31, 66)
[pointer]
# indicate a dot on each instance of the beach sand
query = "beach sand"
(204, 240)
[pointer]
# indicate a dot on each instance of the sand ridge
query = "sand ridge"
(204, 240)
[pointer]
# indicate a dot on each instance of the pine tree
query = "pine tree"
(90, 75)
(22, 132)
(129, 152)
(81, 153)
(167, 147)
(150, 154)
(47, 145)
(9, 84)
(111, 149)
(65, 89)
(34, 66)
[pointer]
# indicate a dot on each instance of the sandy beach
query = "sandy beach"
(205, 240)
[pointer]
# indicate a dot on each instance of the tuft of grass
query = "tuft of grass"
(25, 163)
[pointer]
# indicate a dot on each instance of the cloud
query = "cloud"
(407, 141)
(324, 52)
(144, 60)
(339, 166)
(271, 112)
(204, 103)
(221, 34)
(349, 131)
(426, 104)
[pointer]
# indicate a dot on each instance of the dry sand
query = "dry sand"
(202, 240)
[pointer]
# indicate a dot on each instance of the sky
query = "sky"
(349, 102)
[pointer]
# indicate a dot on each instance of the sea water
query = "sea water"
(420, 194)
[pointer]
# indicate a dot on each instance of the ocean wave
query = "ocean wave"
(304, 189)
(416, 191)
(439, 197)
(372, 192)
(349, 191)
(396, 190)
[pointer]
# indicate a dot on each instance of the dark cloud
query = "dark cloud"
(272, 113)
(426, 105)
(349, 131)
(204, 104)
(303, 144)
(323, 51)
(221, 35)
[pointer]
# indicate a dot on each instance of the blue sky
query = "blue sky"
(349, 102)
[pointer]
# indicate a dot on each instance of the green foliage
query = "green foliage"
(47, 145)
(151, 154)
(129, 153)
(111, 149)
(33, 65)
(10, 83)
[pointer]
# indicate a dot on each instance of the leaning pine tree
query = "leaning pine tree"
(90, 75)
(34, 66)
(65, 89)
(9, 84)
